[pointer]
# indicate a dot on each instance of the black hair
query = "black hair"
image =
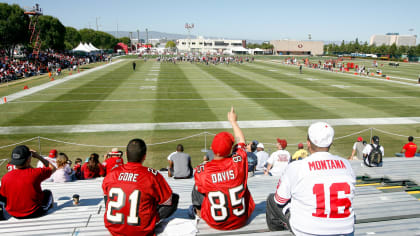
(410, 139)
(93, 164)
(253, 147)
(179, 148)
(375, 139)
(136, 150)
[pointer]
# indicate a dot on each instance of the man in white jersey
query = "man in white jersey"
(278, 160)
(314, 196)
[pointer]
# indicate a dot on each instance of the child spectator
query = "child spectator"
(77, 168)
(63, 172)
(92, 168)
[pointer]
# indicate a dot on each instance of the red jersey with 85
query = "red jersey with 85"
(134, 191)
(227, 203)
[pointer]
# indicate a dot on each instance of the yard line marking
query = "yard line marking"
(202, 99)
(311, 79)
(147, 87)
(41, 87)
(341, 86)
(90, 128)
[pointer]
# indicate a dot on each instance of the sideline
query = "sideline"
(41, 87)
(92, 128)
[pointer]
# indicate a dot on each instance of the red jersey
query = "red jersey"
(22, 188)
(227, 203)
(134, 191)
(10, 167)
(87, 174)
(410, 149)
(112, 163)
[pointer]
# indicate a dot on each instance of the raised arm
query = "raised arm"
(42, 159)
(232, 117)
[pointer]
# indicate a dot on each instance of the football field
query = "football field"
(166, 104)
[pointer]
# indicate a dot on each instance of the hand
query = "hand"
(232, 117)
(35, 154)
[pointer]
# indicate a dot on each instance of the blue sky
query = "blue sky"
(258, 20)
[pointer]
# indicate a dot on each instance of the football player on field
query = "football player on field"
(136, 197)
(220, 195)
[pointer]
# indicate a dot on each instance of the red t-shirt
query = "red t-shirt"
(22, 188)
(87, 174)
(134, 191)
(112, 163)
(410, 149)
(227, 203)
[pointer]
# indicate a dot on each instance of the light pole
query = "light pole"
(189, 27)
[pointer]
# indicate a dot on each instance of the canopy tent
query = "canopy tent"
(93, 47)
(240, 50)
(81, 48)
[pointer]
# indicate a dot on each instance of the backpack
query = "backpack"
(375, 156)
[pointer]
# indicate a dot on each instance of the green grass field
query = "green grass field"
(184, 92)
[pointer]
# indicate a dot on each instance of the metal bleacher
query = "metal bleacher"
(385, 204)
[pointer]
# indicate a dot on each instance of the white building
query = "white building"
(389, 39)
(210, 45)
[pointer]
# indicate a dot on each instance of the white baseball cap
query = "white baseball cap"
(260, 145)
(321, 134)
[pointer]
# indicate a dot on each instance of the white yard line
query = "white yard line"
(91, 128)
(41, 87)
(202, 99)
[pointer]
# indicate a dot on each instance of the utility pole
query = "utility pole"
(138, 39)
(189, 27)
(147, 36)
(131, 44)
(97, 25)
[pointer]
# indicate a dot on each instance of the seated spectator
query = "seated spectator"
(92, 168)
(112, 160)
(180, 164)
(64, 172)
(220, 195)
(252, 158)
(77, 168)
(51, 158)
(373, 153)
(300, 154)
(136, 197)
(262, 157)
(358, 149)
(409, 149)
(278, 159)
(21, 188)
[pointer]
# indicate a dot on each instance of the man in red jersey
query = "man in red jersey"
(220, 195)
(112, 160)
(21, 188)
(409, 148)
(136, 197)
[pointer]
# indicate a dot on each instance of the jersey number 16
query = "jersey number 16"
(335, 202)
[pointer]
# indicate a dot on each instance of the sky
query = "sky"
(242, 19)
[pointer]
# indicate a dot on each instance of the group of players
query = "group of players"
(215, 60)
(314, 196)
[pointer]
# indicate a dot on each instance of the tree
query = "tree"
(13, 27)
(72, 38)
(52, 33)
(125, 40)
(170, 44)
(98, 38)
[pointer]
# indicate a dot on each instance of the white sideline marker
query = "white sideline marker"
(147, 87)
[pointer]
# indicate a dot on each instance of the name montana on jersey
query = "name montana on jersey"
(326, 165)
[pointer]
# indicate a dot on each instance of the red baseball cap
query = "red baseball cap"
(53, 153)
(222, 144)
(359, 139)
(300, 145)
(282, 142)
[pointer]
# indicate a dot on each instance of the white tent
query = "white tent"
(240, 50)
(81, 48)
(88, 47)
(93, 47)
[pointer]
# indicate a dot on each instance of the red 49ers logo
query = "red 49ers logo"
(300, 45)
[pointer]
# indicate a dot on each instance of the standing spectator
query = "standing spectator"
(21, 188)
(220, 195)
(300, 154)
(77, 168)
(315, 195)
(112, 160)
(51, 158)
(373, 153)
(409, 149)
(180, 164)
(262, 157)
(63, 172)
(357, 149)
(278, 159)
(252, 158)
(93, 168)
(136, 197)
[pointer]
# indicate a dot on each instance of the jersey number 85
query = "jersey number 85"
(219, 208)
